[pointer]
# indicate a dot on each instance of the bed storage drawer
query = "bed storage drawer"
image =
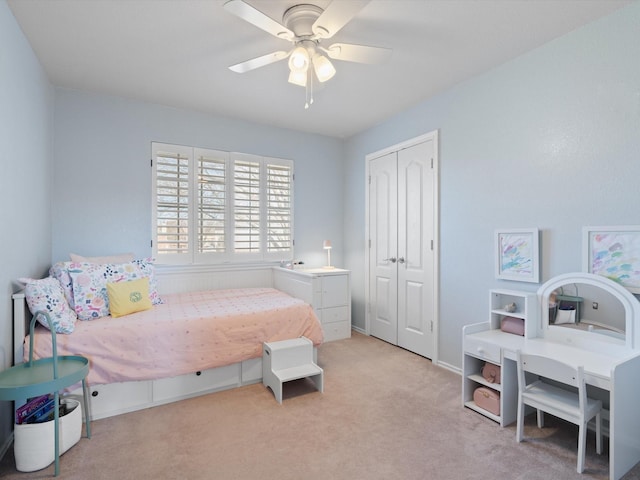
(117, 398)
(184, 386)
(252, 371)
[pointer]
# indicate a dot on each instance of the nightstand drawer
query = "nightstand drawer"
(481, 349)
(336, 330)
(334, 314)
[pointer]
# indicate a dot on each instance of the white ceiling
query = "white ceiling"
(176, 53)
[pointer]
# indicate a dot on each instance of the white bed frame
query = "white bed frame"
(117, 398)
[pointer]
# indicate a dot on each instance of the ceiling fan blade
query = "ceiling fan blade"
(258, 62)
(255, 17)
(349, 52)
(336, 16)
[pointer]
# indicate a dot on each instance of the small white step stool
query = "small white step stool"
(288, 360)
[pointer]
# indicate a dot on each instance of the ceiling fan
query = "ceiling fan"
(306, 26)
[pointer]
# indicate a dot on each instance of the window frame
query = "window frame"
(192, 256)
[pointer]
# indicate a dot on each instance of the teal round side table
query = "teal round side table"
(44, 376)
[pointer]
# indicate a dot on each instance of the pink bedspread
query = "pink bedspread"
(189, 332)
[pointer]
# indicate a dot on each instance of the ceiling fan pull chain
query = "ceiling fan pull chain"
(308, 90)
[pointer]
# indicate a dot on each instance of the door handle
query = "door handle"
(401, 260)
(392, 260)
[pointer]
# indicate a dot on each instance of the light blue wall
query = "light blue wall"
(26, 115)
(102, 182)
(549, 140)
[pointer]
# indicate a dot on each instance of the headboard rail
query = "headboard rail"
(21, 319)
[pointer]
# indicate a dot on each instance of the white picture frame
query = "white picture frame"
(517, 254)
(614, 253)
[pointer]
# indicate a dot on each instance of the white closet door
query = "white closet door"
(383, 272)
(402, 271)
(415, 253)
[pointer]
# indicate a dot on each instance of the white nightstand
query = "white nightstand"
(327, 290)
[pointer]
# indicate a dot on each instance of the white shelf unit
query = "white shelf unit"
(478, 349)
(476, 353)
(526, 308)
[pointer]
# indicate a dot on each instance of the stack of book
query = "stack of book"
(37, 410)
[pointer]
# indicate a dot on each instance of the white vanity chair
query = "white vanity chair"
(574, 407)
(612, 364)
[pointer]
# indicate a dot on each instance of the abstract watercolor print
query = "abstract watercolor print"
(616, 255)
(516, 256)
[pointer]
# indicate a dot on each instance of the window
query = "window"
(212, 206)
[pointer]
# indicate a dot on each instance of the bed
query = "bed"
(187, 344)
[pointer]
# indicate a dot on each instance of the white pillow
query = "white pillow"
(119, 258)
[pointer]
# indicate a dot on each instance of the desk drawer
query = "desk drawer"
(481, 349)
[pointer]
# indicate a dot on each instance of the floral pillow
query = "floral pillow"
(60, 271)
(47, 294)
(90, 284)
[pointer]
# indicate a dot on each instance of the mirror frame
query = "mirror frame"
(629, 302)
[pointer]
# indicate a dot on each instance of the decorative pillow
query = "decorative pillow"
(90, 284)
(60, 271)
(147, 269)
(128, 297)
(46, 294)
(120, 258)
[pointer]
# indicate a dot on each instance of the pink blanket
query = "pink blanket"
(189, 332)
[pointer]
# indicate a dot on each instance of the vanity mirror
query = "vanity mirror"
(589, 305)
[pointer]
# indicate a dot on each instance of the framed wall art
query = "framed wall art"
(613, 252)
(517, 254)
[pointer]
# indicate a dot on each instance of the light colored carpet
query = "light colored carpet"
(385, 414)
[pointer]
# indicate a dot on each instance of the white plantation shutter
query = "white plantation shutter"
(247, 201)
(211, 206)
(279, 206)
(212, 201)
(171, 200)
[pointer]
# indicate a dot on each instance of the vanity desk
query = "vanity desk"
(611, 362)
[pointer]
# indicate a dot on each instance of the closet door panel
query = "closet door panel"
(383, 278)
(415, 264)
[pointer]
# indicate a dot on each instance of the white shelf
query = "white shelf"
(476, 377)
(509, 314)
(472, 405)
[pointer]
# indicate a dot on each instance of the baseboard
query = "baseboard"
(448, 366)
(358, 329)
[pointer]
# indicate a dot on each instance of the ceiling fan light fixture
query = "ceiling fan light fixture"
(298, 78)
(299, 60)
(323, 67)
